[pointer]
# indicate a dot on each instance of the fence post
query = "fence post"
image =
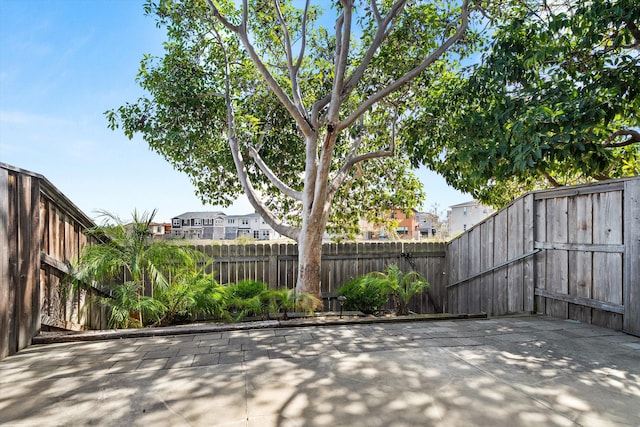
(529, 282)
(631, 272)
(273, 265)
(6, 284)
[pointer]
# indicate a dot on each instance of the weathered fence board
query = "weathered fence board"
(500, 255)
(6, 267)
(558, 260)
(28, 292)
(607, 277)
(580, 279)
(486, 262)
(473, 290)
(540, 258)
(528, 266)
(515, 248)
(631, 276)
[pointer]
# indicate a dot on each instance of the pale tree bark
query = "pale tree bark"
(321, 126)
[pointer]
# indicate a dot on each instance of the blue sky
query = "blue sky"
(63, 63)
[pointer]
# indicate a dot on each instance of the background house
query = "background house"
(250, 225)
(198, 225)
(158, 230)
(407, 227)
(463, 216)
(219, 226)
(431, 226)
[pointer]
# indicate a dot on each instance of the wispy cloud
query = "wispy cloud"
(22, 118)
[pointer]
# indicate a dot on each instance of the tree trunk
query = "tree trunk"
(309, 259)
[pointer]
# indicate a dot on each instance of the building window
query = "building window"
(403, 231)
(464, 210)
(197, 221)
(176, 222)
(245, 222)
(185, 222)
(231, 221)
(265, 234)
(464, 227)
(256, 234)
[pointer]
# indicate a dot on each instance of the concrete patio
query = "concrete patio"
(509, 371)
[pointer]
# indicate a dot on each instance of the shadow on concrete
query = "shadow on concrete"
(501, 372)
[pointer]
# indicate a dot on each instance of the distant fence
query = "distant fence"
(572, 253)
(276, 264)
(40, 233)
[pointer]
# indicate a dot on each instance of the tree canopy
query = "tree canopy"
(185, 118)
(554, 100)
(304, 118)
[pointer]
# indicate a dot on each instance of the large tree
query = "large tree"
(260, 98)
(554, 100)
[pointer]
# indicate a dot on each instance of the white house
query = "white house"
(198, 225)
(250, 225)
(219, 226)
(463, 216)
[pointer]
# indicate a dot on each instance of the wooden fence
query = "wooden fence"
(276, 264)
(572, 253)
(40, 233)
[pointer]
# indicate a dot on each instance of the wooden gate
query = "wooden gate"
(572, 253)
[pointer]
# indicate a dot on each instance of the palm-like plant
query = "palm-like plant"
(402, 286)
(288, 300)
(123, 300)
(126, 259)
(191, 292)
(249, 298)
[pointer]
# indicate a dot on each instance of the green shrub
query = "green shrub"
(366, 293)
(191, 294)
(126, 306)
(246, 289)
(288, 300)
(402, 286)
(249, 298)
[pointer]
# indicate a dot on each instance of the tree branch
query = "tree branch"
(353, 159)
(381, 34)
(376, 12)
(303, 41)
(634, 137)
(551, 180)
(291, 68)
(286, 190)
(241, 31)
(382, 93)
(243, 177)
(222, 19)
(343, 38)
(352, 81)
(633, 29)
